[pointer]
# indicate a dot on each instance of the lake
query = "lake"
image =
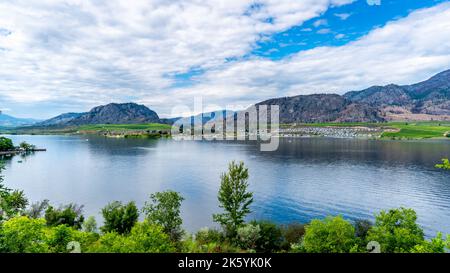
(305, 178)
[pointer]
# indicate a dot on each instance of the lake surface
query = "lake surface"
(304, 179)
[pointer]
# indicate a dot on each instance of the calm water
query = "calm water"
(304, 179)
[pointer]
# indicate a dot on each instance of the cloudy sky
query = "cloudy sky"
(70, 55)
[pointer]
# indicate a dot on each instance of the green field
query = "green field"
(418, 130)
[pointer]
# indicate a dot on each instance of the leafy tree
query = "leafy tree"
(331, 235)
(12, 202)
(6, 144)
(90, 225)
(164, 210)
(396, 231)
(70, 215)
(234, 198)
(23, 235)
(26, 146)
(143, 238)
(271, 237)
(37, 209)
(119, 218)
(445, 164)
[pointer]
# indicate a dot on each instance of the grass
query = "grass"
(418, 130)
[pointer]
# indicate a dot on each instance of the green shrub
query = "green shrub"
(143, 238)
(270, 239)
(206, 236)
(248, 236)
(445, 164)
(396, 231)
(23, 235)
(119, 218)
(292, 234)
(331, 235)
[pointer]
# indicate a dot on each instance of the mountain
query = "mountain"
(113, 113)
(9, 121)
(60, 120)
(323, 108)
(426, 100)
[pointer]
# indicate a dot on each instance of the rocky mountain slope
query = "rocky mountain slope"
(114, 113)
(426, 100)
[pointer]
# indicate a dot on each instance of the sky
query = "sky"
(60, 56)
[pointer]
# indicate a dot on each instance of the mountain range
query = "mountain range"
(427, 100)
(9, 121)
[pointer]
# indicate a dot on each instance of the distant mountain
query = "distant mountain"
(9, 121)
(323, 108)
(113, 113)
(426, 100)
(60, 120)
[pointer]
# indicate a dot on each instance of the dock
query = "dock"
(16, 152)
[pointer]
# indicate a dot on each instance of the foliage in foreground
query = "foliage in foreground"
(64, 229)
(445, 164)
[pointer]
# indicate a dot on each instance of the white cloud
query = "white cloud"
(324, 31)
(343, 16)
(403, 52)
(90, 52)
(77, 54)
(320, 22)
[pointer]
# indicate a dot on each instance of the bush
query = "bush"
(331, 235)
(248, 236)
(206, 236)
(143, 238)
(270, 239)
(445, 164)
(6, 144)
(362, 228)
(292, 234)
(119, 218)
(396, 231)
(23, 235)
(70, 215)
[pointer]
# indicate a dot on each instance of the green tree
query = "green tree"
(26, 146)
(90, 225)
(12, 202)
(119, 218)
(164, 209)
(234, 198)
(6, 144)
(70, 215)
(445, 164)
(396, 231)
(331, 235)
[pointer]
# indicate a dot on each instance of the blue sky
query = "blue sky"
(71, 55)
